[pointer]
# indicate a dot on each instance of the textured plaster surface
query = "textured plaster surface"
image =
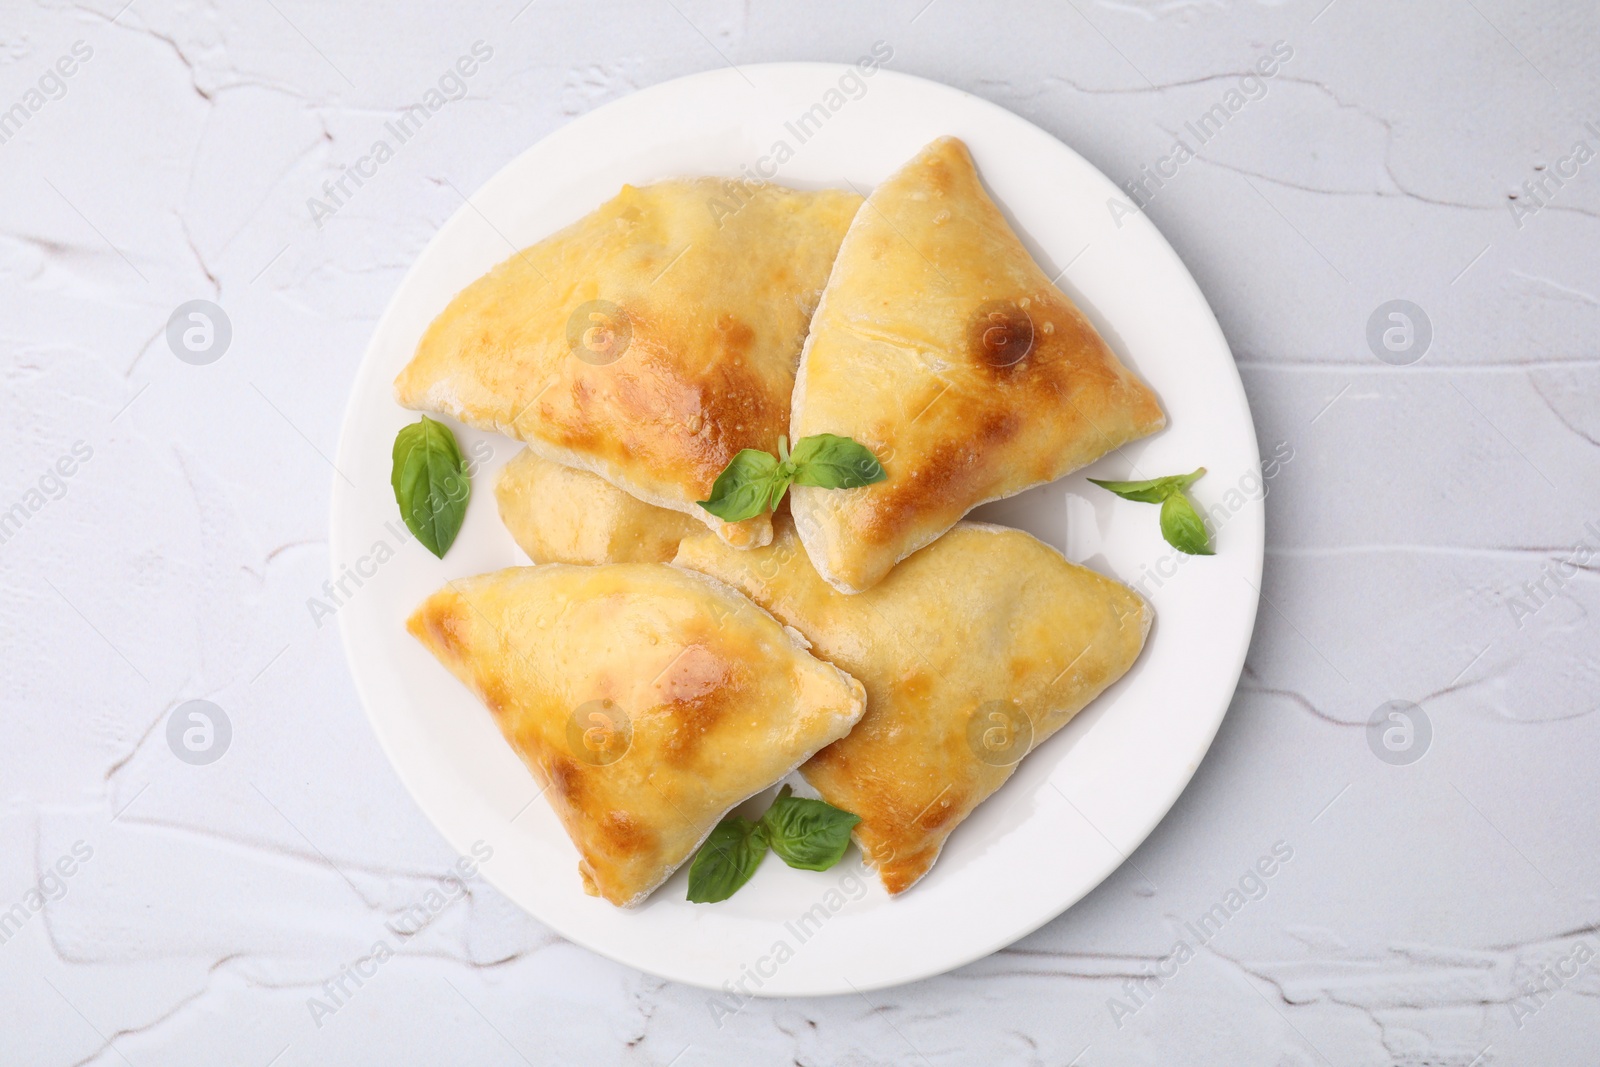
(1407, 539)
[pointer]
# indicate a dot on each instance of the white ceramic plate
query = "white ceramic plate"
(1076, 807)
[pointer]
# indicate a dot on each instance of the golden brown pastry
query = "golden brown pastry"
(941, 345)
(560, 514)
(648, 342)
(973, 651)
(646, 699)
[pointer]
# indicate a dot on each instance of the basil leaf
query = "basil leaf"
(1182, 526)
(741, 490)
(727, 860)
(828, 461)
(780, 485)
(808, 834)
(754, 481)
(1153, 491)
(431, 483)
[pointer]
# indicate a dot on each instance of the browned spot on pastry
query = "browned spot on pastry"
(694, 674)
(739, 411)
(940, 178)
(1019, 667)
(624, 834)
(830, 760)
(447, 627)
(914, 685)
(695, 719)
(566, 778)
(1000, 337)
(904, 871)
(700, 689)
(899, 853)
(942, 809)
(649, 408)
(949, 473)
(735, 335)
(495, 695)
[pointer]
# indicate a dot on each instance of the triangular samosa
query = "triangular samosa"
(648, 701)
(648, 342)
(973, 652)
(943, 347)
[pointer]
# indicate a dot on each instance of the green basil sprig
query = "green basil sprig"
(754, 481)
(727, 860)
(1181, 524)
(431, 483)
(807, 834)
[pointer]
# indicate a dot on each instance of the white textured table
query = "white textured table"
(163, 524)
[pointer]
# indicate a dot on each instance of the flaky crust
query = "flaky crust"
(942, 346)
(648, 700)
(701, 291)
(984, 622)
